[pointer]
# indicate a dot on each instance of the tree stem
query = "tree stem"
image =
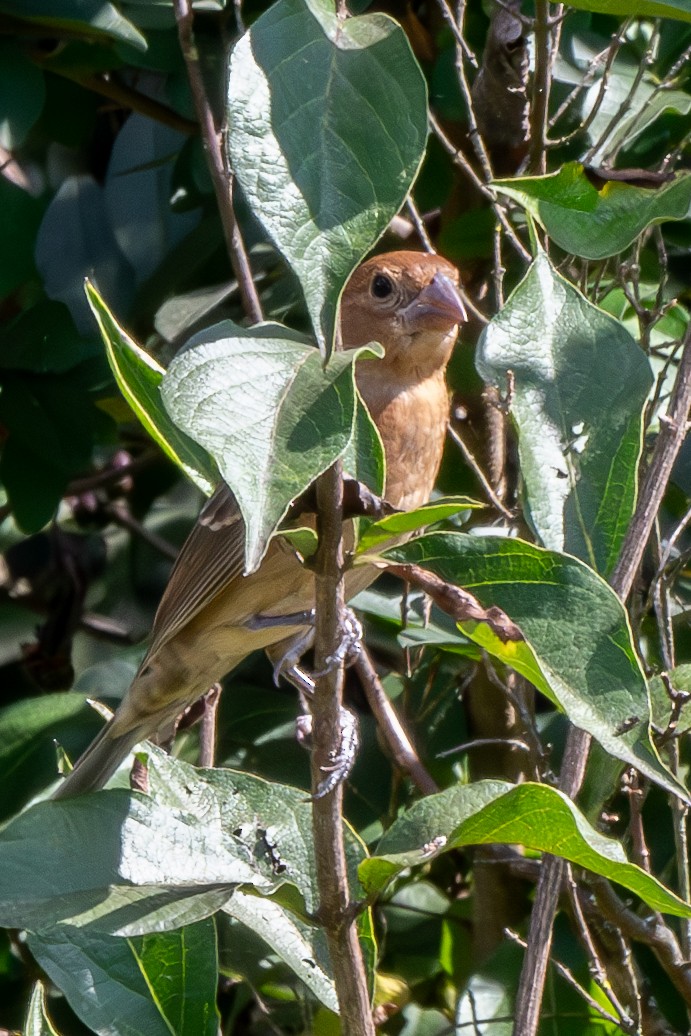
(336, 909)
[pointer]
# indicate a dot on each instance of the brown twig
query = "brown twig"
(480, 475)
(390, 725)
(539, 107)
(336, 910)
(457, 603)
(670, 438)
(220, 175)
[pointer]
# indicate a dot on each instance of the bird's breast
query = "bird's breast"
(412, 421)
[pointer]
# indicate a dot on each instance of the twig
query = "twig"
(462, 162)
(575, 984)
(336, 911)
(541, 81)
(121, 515)
(670, 438)
(220, 175)
(480, 475)
(474, 135)
(419, 225)
(457, 603)
(625, 106)
(123, 95)
(390, 725)
(611, 52)
(595, 965)
(207, 729)
(651, 931)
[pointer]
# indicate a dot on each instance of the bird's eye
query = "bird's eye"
(382, 286)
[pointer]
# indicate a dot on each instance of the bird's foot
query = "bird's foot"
(349, 648)
(341, 759)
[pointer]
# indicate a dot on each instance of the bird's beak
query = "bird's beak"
(438, 307)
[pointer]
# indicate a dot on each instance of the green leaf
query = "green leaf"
(300, 945)
(154, 985)
(37, 1022)
(404, 522)
(680, 9)
(580, 384)
(272, 416)
(596, 222)
(533, 815)
(139, 378)
(328, 122)
(364, 457)
(28, 731)
(158, 861)
(578, 642)
(88, 18)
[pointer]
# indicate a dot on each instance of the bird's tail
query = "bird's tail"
(98, 763)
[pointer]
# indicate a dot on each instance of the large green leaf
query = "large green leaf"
(680, 9)
(151, 985)
(327, 126)
(577, 647)
(596, 221)
(88, 18)
(171, 858)
(580, 384)
(272, 416)
(139, 377)
(533, 815)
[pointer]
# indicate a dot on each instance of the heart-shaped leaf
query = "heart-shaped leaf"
(578, 646)
(271, 415)
(327, 127)
(579, 386)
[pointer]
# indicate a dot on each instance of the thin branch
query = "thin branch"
(611, 52)
(670, 438)
(390, 725)
(539, 107)
(419, 225)
(462, 162)
(575, 984)
(220, 175)
(480, 475)
(122, 95)
(336, 910)
(121, 515)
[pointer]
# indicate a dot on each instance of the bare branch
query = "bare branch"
(220, 175)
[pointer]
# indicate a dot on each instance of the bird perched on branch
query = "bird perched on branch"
(211, 616)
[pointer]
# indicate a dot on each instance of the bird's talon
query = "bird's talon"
(344, 759)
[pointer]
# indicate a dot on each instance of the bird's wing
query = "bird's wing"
(211, 557)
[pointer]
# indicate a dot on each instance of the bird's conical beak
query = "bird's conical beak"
(437, 307)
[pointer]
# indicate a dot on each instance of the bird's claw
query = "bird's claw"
(342, 759)
(349, 648)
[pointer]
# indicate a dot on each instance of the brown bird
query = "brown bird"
(211, 616)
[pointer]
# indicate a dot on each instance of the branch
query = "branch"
(671, 436)
(336, 910)
(220, 175)
(457, 603)
(390, 725)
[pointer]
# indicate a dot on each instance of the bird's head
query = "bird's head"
(410, 303)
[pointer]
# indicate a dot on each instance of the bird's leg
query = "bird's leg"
(286, 664)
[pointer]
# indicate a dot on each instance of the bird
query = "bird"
(211, 615)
